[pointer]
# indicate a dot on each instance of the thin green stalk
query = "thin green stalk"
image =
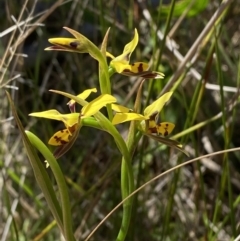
(127, 180)
(169, 207)
(231, 203)
(130, 20)
(230, 199)
(235, 204)
(101, 7)
(168, 23)
(225, 177)
(127, 185)
(135, 197)
(131, 142)
(104, 77)
(91, 122)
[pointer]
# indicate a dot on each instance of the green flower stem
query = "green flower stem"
(91, 122)
(62, 187)
(126, 190)
(104, 80)
(127, 180)
(111, 71)
(131, 142)
(103, 72)
(110, 128)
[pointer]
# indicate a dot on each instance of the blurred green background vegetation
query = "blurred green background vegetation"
(197, 202)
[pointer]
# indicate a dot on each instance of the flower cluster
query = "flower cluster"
(73, 121)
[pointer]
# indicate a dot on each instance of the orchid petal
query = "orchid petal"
(139, 67)
(94, 106)
(109, 55)
(84, 95)
(128, 49)
(79, 44)
(145, 74)
(120, 108)
(120, 66)
(62, 149)
(123, 117)
(157, 105)
(50, 114)
(68, 119)
(169, 142)
(60, 138)
(164, 128)
(66, 44)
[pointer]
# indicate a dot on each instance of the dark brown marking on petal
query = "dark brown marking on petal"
(140, 68)
(152, 130)
(166, 125)
(72, 128)
(74, 44)
(63, 142)
(153, 116)
(143, 74)
(58, 139)
(165, 133)
(148, 74)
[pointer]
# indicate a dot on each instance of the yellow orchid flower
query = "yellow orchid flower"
(149, 117)
(72, 121)
(79, 44)
(122, 65)
(83, 95)
(149, 125)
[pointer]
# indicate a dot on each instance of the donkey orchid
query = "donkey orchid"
(79, 43)
(72, 121)
(149, 117)
(149, 125)
(121, 64)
